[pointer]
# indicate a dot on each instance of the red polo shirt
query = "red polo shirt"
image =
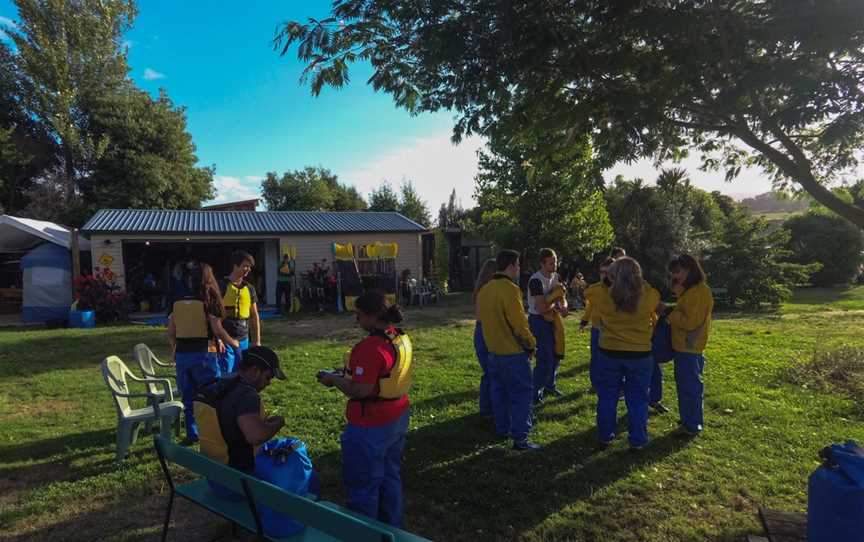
(370, 359)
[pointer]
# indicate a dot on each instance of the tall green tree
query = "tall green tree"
(773, 84)
(412, 206)
(751, 259)
(309, 189)
(149, 158)
(529, 201)
(70, 57)
(384, 198)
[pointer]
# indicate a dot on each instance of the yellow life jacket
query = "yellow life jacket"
(190, 319)
(397, 382)
(237, 301)
(210, 437)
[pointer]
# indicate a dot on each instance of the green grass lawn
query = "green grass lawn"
(58, 479)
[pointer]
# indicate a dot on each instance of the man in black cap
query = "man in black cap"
(239, 412)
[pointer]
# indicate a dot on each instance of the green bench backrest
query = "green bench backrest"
(206, 467)
(333, 522)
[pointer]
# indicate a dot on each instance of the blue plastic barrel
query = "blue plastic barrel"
(84, 319)
(835, 497)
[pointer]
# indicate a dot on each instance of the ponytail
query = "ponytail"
(375, 303)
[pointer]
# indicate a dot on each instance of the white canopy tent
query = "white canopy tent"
(20, 234)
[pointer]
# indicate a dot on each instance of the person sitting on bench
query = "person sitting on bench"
(230, 413)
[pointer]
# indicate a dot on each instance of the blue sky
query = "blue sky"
(248, 114)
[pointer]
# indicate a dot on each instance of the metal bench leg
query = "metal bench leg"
(168, 516)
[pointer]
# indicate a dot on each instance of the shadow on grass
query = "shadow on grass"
(70, 447)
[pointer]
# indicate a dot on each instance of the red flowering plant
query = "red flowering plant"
(99, 292)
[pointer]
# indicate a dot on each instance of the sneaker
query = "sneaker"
(637, 448)
(659, 408)
(556, 392)
(684, 431)
(525, 446)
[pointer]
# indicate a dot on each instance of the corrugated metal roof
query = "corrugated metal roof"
(246, 222)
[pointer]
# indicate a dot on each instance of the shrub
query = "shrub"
(832, 370)
(829, 240)
(99, 292)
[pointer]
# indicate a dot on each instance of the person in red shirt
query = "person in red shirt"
(374, 438)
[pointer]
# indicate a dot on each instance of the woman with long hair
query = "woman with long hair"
(485, 275)
(376, 381)
(626, 315)
(691, 323)
(194, 331)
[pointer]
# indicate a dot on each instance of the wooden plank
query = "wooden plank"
(783, 526)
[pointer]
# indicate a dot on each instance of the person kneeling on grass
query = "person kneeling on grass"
(376, 381)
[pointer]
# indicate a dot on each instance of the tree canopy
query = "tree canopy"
(384, 198)
(77, 133)
(309, 189)
(774, 84)
(528, 202)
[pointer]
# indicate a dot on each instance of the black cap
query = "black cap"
(263, 357)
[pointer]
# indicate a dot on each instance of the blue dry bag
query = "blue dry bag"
(284, 463)
(661, 341)
(835, 497)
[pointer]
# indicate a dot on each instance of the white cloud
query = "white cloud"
(151, 75)
(434, 164)
(230, 189)
(255, 178)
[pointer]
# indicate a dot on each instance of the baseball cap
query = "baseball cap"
(265, 358)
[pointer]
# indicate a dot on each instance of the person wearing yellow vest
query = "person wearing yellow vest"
(592, 295)
(627, 313)
(284, 284)
(194, 330)
(376, 380)
(241, 311)
(691, 324)
(511, 344)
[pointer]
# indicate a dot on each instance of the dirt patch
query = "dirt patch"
(33, 409)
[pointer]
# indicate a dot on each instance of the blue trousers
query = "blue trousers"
(546, 369)
(656, 384)
(230, 360)
(194, 369)
(592, 363)
(633, 375)
(371, 459)
(691, 390)
(511, 394)
(483, 357)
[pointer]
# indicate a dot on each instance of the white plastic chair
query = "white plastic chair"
(148, 362)
(115, 373)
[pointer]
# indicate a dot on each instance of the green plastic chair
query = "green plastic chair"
(166, 412)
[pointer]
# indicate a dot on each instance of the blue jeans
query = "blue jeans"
(194, 369)
(656, 384)
(546, 370)
(483, 357)
(511, 394)
(371, 459)
(633, 375)
(230, 360)
(691, 390)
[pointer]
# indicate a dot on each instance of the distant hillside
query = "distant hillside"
(770, 203)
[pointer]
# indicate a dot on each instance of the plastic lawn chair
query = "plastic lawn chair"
(148, 362)
(116, 373)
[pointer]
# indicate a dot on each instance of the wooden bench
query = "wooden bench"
(325, 521)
